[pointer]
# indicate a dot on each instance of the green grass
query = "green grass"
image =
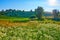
(13, 19)
(42, 32)
(20, 19)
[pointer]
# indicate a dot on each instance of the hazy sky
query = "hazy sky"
(48, 5)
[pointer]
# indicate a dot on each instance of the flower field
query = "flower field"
(30, 31)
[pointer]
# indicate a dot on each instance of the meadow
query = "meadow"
(31, 32)
(12, 28)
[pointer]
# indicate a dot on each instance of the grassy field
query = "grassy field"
(37, 32)
(15, 28)
(12, 19)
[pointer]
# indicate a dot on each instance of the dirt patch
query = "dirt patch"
(12, 24)
(8, 23)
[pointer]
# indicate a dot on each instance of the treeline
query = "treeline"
(38, 13)
(16, 13)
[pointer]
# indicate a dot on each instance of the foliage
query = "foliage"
(55, 13)
(16, 13)
(39, 12)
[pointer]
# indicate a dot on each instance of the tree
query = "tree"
(31, 11)
(59, 14)
(23, 11)
(39, 12)
(55, 13)
(2, 12)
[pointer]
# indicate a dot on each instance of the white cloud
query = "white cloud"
(52, 2)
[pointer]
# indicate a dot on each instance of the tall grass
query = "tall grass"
(37, 32)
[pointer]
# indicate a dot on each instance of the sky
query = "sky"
(48, 5)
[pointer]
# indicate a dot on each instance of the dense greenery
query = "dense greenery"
(39, 12)
(22, 28)
(17, 13)
(39, 32)
(31, 14)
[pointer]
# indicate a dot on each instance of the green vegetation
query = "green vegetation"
(39, 11)
(36, 26)
(39, 32)
(12, 19)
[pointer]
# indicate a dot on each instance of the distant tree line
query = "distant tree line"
(39, 11)
(16, 13)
